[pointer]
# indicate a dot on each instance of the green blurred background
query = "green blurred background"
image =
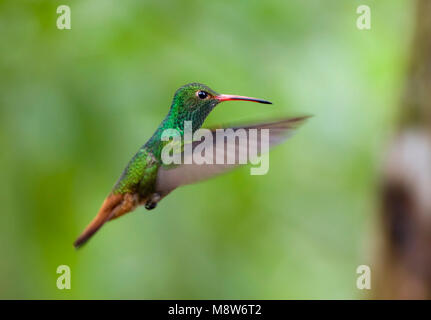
(76, 104)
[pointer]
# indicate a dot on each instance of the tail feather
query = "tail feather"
(111, 207)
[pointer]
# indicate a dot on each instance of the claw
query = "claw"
(152, 202)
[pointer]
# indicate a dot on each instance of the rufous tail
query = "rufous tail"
(111, 207)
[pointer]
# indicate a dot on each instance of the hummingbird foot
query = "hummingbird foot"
(152, 201)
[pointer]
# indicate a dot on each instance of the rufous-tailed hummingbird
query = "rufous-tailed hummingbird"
(146, 180)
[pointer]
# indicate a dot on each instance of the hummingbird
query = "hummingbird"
(146, 180)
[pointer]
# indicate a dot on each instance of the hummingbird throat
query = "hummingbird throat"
(216, 147)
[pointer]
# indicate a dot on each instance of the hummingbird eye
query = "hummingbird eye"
(202, 94)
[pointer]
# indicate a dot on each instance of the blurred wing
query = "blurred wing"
(232, 151)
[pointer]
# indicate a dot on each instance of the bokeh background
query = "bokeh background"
(76, 104)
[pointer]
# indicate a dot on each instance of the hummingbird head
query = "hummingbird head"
(194, 101)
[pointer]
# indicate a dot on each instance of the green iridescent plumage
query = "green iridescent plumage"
(146, 180)
(140, 173)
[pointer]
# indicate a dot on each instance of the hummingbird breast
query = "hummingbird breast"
(139, 177)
